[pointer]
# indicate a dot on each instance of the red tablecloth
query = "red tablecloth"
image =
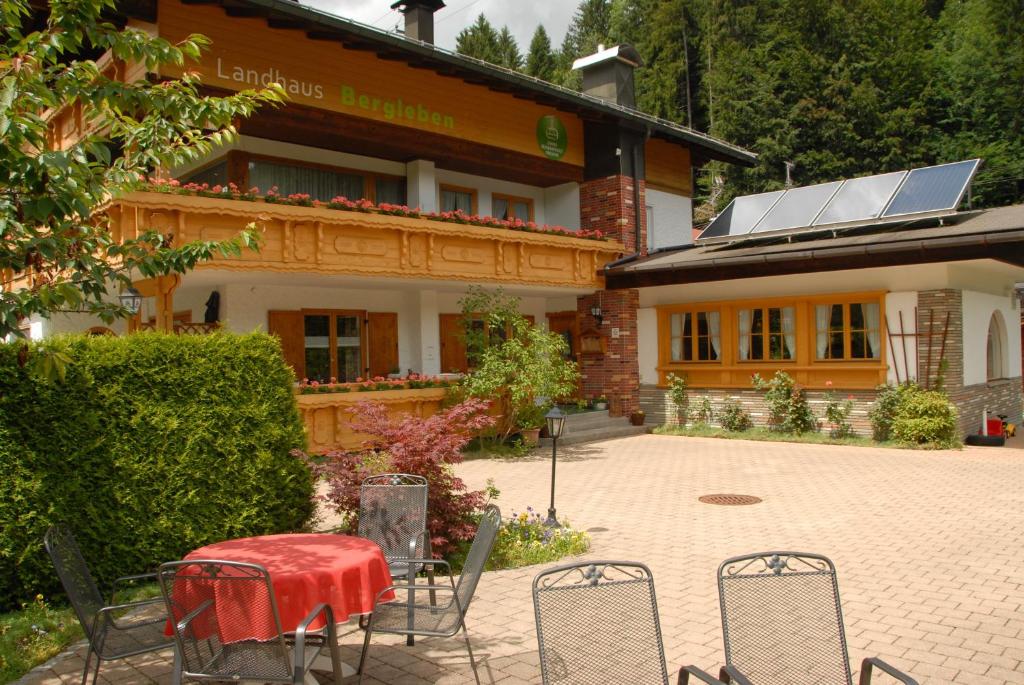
(305, 569)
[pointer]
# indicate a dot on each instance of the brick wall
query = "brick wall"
(1001, 397)
(658, 406)
(606, 204)
(616, 373)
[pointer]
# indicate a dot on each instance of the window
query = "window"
(215, 174)
(695, 336)
(767, 333)
(390, 191)
(995, 363)
(320, 184)
(507, 207)
(458, 199)
(847, 331)
(333, 346)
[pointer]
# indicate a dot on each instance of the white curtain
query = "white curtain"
(821, 314)
(789, 331)
(677, 336)
(871, 315)
(744, 334)
(318, 183)
(714, 328)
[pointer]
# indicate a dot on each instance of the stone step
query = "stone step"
(587, 420)
(596, 434)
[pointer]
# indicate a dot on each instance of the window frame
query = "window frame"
(847, 357)
(332, 343)
(766, 332)
(695, 335)
(442, 187)
(511, 200)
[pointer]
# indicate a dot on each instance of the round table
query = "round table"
(343, 571)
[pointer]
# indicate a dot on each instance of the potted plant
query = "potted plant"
(530, 423)
(600, 403)
(637, 418)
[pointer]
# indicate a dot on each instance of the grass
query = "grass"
(40, 631)
(762, 434)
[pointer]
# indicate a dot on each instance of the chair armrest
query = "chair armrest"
(686, 671)
(183, 624)
(731, 674)
(871, 662)
(299, 655)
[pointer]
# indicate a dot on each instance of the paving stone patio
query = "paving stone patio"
(929, 548)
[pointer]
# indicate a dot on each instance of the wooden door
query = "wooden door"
(566, 324)
(288, 327)
(453, 344)
(382, 342)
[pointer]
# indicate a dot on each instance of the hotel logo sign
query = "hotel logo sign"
(552, 137)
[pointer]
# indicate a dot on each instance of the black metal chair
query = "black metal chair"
(114, 630)
(227, 627)
(597, 622)
(448, 618)
(782, 622)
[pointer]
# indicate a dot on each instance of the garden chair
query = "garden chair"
(393, 513)
(597, 622)
(227, 628)
(445, 619)
(114, 630)
(782, 622)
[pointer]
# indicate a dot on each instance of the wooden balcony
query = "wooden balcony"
(330, 241)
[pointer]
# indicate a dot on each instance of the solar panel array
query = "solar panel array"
(839, 204)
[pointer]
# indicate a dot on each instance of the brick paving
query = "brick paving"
(928, 547)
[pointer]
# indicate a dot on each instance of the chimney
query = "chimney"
(419, 18)
(608, 74)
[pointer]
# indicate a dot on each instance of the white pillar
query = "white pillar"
(430, 333)
(421, 185)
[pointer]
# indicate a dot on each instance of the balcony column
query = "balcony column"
(162, 289)
(430, 333)
(421, 185)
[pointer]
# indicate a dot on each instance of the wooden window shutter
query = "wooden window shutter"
(289, 328)
(382, 333)
(453, 345)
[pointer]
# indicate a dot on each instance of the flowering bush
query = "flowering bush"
(232, 192)
(837, 413)
(413, 381)
(524, 540)
(732, 417)
(409, 444)
(788, 410)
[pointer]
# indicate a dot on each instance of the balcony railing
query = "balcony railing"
(185, 328)
(331, 241)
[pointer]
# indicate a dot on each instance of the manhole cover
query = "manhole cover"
(730, 500)
(597, 529)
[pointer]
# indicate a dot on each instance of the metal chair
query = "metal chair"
(114, 630)
(227, 627)
(597, 622)
(782, 622)
(393, 513)
(446, 619)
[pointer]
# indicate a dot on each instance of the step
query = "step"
(587, 420)
(596, 434)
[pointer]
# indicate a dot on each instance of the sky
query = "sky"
(521, 16)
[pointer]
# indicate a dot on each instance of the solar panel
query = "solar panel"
(741, 215)
(933, 189)
(797, 207)
(860, 198)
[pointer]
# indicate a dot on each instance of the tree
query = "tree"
(541, 61)
(508, 50)
(590, 26)
(480, 41)
(56, 253)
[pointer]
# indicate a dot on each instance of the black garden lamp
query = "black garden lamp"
(556, 424)
(131, 299)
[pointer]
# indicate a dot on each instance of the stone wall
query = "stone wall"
(606, 204)
(1001, 397)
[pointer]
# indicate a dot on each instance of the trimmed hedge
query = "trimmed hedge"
(152, 446)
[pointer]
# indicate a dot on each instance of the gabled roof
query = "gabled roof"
(354, 35)
(982, 234)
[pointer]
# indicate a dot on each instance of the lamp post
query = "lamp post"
(556, 424)
(131, 300)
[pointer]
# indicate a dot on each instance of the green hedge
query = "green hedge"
(152, 446)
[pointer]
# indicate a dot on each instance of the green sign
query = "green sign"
(551, 137)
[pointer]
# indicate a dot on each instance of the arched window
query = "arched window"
(996, 351)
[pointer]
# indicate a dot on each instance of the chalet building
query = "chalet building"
(575, 202)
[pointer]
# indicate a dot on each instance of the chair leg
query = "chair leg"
(469, 648)
(410, 640)
(366, 649)
(88, 662)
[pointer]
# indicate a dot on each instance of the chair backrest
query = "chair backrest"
(225, 620)
(597, 622)
(781, 618)
(74, 575)
(393, 511)
(473, 567)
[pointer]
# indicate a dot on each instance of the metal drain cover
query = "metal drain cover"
(730, 500)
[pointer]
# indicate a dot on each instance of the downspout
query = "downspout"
(636, 191)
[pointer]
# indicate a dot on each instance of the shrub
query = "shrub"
(732, 417)
(883, 411)
(425, 447)
(926, 418)
(837, 413)
(788, 409)
(151, 446)
(705, 414)
(680, 399)
(524, 540)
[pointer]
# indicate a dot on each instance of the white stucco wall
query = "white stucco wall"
(901, 352)
(647, 344)
(562, 205)
(672, 219)
(977, 312)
